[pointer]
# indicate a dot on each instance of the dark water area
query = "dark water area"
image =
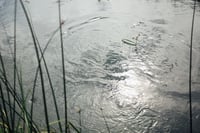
(140, 88)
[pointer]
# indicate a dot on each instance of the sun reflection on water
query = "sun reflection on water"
(134, 89)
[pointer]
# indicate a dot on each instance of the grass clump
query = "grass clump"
(15, 116)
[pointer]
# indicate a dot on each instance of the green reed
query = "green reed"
(15, 116)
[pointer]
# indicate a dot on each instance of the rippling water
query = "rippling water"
(134, 89)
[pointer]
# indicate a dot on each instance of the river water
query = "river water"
(110, 84)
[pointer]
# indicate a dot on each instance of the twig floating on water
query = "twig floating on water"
(129, 42)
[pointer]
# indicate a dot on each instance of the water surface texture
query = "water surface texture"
(140, 88)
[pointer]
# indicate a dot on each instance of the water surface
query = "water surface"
(134, 89)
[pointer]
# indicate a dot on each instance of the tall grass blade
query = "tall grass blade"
(37, 69)
(190, 67)
(40, 67)
(18, 101)
(74, 127)
(2, 123)
(48, 75)
(53, 93)
(23, 100)
(15, 66)
(8, 93)
(63, 67)
(4, 107)
(33, 95)
(51, 86)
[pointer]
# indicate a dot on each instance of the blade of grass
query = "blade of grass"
(2, 118)
(7, 91)
(36, 75)
(18, 101)
(15, 46)
(20, 115)
(23, 100)
(33, 94)
(48, 75)
(63, 67)
(4, 106)
(2, 124)
(37, 70)
(74, 127)
(52, 89)
(13, 54)
(40, 67)
(57, 121)
(53, 93)
(190, 67)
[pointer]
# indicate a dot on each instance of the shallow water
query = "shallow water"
(134, 89)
